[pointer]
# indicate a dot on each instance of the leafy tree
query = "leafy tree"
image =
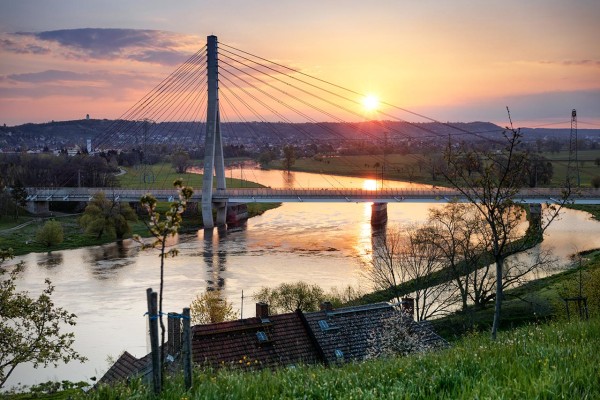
(181, 162)
(162, 228)
(104, 216)
(19, 195)
(210, 308)
(289, 297)
(265, 158)
(50, 234)
(289, 157)
(492, 191)
(30, 328)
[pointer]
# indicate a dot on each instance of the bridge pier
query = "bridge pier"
(38, 207)
(221, 213)
(378, 214)
(535, 218)
(237, 213)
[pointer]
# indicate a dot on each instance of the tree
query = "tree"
(109, 217)
(181, 162)
(492, 191)
(409, 257)
(289, 157)
(161, 228)
(264, 158)
(395, 338)
(50, 234)
(30, 329)
(19, 195)
(459, 234)
(210, 308)
(289, 297)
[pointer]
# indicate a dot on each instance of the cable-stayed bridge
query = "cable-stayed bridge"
(223, 83)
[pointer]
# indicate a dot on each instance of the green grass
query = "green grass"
(536, 300)
(410, 167)
(414, 167)
(163, 175)
(557, 360)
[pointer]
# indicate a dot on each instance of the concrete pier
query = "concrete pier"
(378, 214)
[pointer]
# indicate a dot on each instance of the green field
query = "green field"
(415, 167)
(162, 176)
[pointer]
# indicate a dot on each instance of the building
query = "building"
(329, 336)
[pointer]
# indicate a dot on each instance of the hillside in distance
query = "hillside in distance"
(125, 134)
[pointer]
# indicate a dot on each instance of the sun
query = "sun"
(370, 103)
(370, 184)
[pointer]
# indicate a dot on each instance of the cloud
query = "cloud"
(150, 46)
(92, 85)
(585, 63)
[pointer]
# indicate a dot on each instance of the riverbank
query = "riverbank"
(20, 235)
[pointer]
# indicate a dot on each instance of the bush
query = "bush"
(596, 182)
(50, 234)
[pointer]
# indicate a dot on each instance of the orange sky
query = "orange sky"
(454, 60)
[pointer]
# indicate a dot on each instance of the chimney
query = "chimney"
(262, 310)
(408, 306)
(326, 306)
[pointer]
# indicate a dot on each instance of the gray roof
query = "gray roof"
(346, 334)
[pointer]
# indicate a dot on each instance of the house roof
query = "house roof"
(327, 336)
(125, 367)
(346, 334)
(253, 342)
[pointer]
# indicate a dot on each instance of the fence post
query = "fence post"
(152, 298)
(187, 348)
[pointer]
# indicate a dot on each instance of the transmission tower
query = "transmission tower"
(573, 169)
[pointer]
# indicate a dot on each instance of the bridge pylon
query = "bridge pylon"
(213, 144)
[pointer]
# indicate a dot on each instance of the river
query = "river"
(324, 244)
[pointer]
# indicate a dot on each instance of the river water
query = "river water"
(324, 244)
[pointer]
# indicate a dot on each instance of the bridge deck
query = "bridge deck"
(270, 195)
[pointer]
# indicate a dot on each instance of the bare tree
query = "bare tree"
(409, 257)
(492, 190)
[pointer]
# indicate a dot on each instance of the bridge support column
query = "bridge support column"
(535, 219)
(378, 214)
(221, 213)
(213, 146)
(38, 207)
(237, 213)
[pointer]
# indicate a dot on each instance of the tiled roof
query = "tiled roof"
(343, 334)
(125, 367)
(252, 342)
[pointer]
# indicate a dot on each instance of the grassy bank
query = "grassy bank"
(22, 240)
(557, 360)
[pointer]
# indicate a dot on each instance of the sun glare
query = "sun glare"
(369, 184)
(370, 103)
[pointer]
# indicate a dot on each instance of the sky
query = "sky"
(451, 60)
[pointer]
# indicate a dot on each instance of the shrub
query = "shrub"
(50, 234)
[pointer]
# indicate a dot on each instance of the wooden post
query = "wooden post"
(153, 322)
(187, 348)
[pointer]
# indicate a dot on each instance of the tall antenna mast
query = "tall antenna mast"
(573, 171)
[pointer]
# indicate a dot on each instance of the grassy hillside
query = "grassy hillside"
(558, 360)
